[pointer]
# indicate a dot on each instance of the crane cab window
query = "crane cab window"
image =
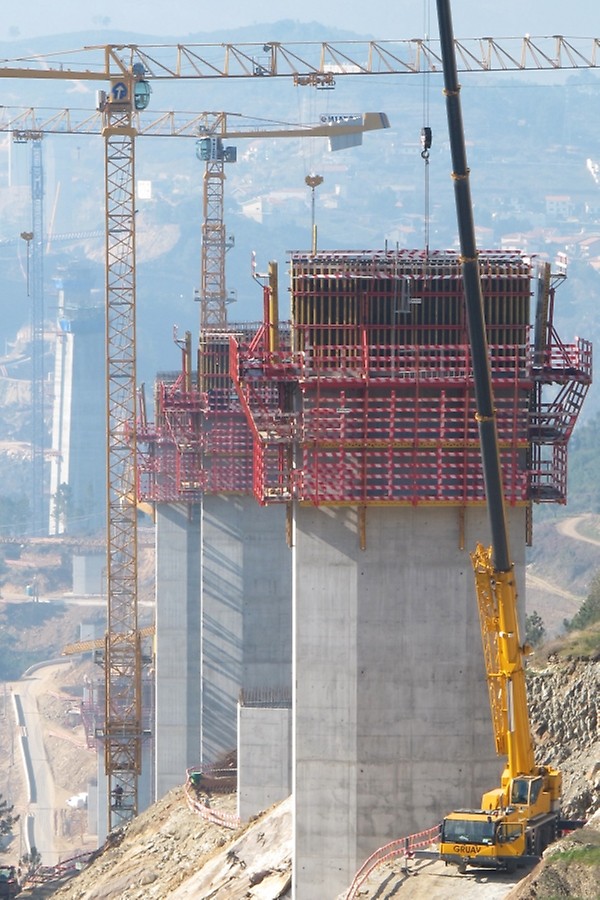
(520, 791)
(468, 831)
(536, 787)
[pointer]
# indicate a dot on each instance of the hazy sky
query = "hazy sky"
(380, 19)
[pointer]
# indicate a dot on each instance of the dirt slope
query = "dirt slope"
(170, 851)
(570, 869)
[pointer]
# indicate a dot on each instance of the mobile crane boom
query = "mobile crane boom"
(520, 816)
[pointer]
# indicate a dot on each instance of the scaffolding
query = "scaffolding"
(373, 401)
(200, 442)
(366, 397)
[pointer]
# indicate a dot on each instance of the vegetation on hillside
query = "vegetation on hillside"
(7, 819)
(18, 620)
(15, 514)
(33, 632)
(535, 630)
(581, 638)
(584, 474)
(589, 611)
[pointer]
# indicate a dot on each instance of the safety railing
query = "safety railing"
(195, 777)
(403, 847)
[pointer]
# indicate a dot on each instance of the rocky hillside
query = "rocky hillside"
(170, 851)
(570, 869)
(564, 704)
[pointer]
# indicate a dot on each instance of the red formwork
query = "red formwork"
(169, 450)
(373, 400)
(200, 441)
(384, 436)
(367, 396)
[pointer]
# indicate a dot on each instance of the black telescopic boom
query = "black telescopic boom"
(486, 413)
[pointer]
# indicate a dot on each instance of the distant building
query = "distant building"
(558, 206)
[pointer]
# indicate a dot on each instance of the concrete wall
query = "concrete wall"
(392, 724)
(264, 758)
(246, 612)
(178, 628)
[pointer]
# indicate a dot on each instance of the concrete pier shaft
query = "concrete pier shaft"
(392, 726)
(178, 636)
(224, 624)
(246, 612)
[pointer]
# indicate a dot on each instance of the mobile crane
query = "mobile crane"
(521, 816)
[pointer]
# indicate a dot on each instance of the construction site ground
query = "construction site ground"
(169, 849)
(432, 880)
(171, 852)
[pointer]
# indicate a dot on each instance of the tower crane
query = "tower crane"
(127, 72)
(123, 663)
(209, 129)
(35, 288)
(211, 150)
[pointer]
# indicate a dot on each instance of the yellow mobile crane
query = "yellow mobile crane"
(521, 816)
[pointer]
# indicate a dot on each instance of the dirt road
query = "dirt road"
(571, 528)
(41, 749)
(42, 806)
(432, 880)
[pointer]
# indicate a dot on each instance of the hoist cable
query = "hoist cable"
(426, 136)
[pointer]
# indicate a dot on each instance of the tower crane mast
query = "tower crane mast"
(127, 70)
(35, 288)
(213, 291)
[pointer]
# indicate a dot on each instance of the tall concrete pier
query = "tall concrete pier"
(246, 613)
(78, 461)
(178, 638)
(391, 713)
(223, 566)
(223, 623)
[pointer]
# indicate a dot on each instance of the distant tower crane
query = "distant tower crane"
(127, 71)
(35, 289)
(213, 293)
(342, 131)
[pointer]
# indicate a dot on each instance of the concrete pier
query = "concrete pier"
(392, 725)
(246, 612)
(78, 460)
(178, 636)
(224, 624)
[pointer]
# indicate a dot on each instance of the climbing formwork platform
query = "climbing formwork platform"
(370, 400)
(199, 441)
(366, 396)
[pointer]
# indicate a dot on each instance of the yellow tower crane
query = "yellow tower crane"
(127, 72)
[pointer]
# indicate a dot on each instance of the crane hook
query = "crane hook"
(425, 141)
